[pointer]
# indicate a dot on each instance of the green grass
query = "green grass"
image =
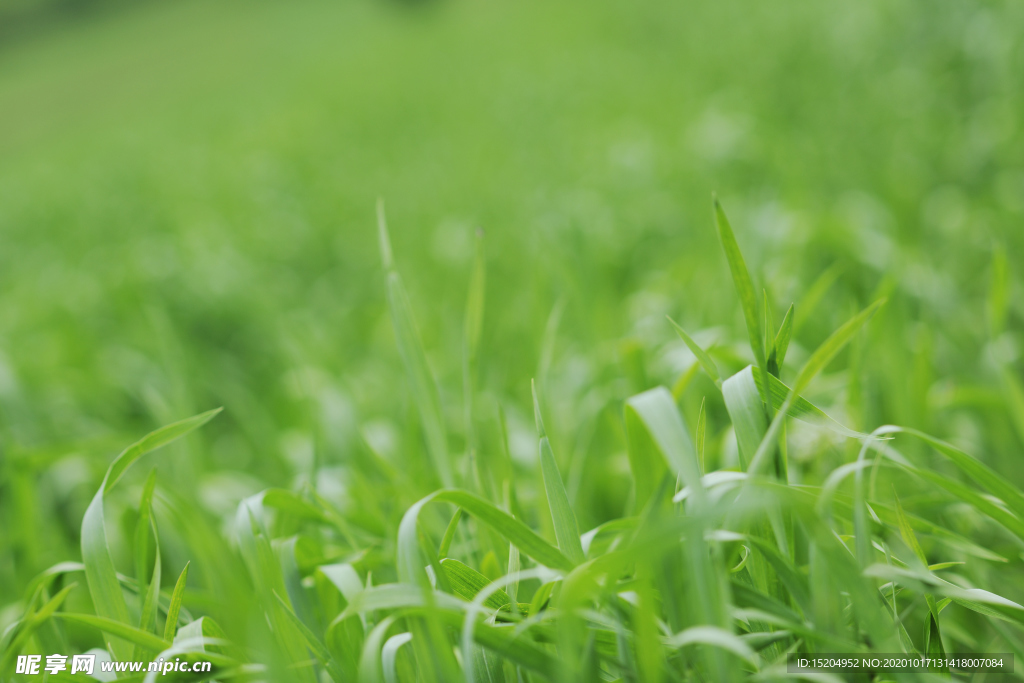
(462, 441)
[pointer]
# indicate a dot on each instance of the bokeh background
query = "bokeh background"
(187, 220)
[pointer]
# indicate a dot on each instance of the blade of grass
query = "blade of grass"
(567, 530)
(171, 625)
(745, 290)
(783, 338)
(743, 402)
(410, 346)
(702, 425)
(769, 337)
(804, 410)
(702, 356)
(466, 582)
(449, 534)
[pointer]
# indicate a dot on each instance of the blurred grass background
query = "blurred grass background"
(187, 196)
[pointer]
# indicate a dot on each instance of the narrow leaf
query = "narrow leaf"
(175, 606)
(449, 534)
(907, 533)
(804, 410)
(702, 424)
(784, 336)
(702, 356)
(410, 346)
(564, 519)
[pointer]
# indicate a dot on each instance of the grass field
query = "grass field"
(435, 246)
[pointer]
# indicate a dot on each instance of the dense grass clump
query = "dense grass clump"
(722, 560)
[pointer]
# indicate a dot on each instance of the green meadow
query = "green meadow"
(508, 342)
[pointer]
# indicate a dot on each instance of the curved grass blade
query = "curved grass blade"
(99, 567)
(408, 552)
(389, 655)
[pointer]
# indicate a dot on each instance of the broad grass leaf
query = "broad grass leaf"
(345, 578)
(715, 637)
(370, 669)
(743, 401)
(389, 655)
(466, 582)
(655, 410)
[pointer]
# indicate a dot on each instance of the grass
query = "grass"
(385, 496)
